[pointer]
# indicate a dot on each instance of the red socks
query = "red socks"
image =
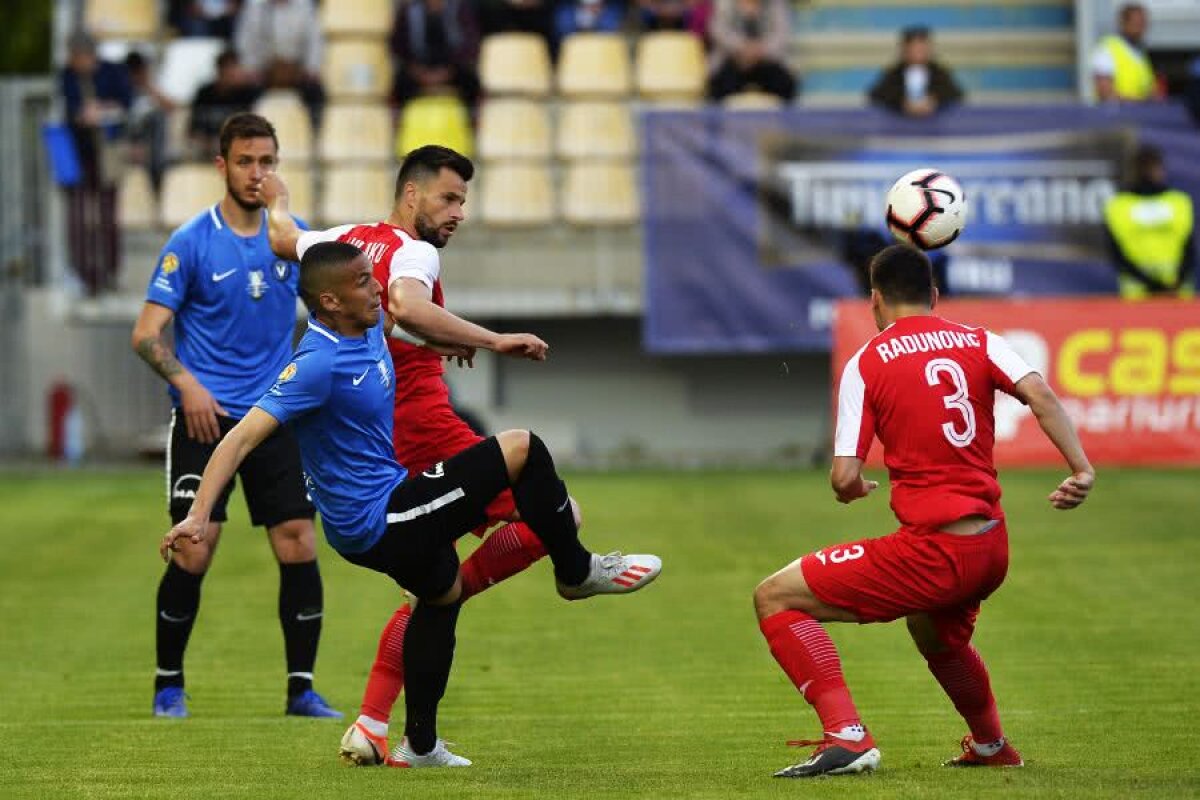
(964, 678)
(504, 553)
(806, 653)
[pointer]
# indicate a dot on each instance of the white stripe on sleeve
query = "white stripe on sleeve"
(1006, 359)
(851, 396)
(309, 238)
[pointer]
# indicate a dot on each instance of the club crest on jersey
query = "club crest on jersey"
(282, 270)
(385, 375)
(257, 285)
(170, 263)
(288, 372)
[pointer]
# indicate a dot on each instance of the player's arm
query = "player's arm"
(282, 230)
(200, 408)
(852, 437)
(1053, 420)
(256, 426)
(847, 480)
(410, 302)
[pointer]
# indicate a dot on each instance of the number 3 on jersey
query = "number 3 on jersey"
(840, 555)
(958, 401)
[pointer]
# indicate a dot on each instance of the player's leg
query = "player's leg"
(178, 599)
(273, 483)
(545, 506)
(790, 616)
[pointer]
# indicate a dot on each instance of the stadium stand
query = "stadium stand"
(670, 66)
(438, 119)
(514, 129)
(137, 208)
(122, 19)
(516, 194)
(186, 65)
(515, 63)
(186, 189)
(594, 65)
(357, 68)
(353, 193)
(356, 17)
(356, 132)
(292, 123)
(599, 193)
(594, 129)
(752, 101)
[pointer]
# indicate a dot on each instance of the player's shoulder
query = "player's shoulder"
(199, 228)
(416, 249)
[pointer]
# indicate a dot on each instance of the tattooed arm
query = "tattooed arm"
(200, 408)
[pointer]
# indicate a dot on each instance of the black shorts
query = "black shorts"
(272, 478)
(429, 512)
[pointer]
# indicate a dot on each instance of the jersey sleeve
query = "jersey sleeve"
(416, 259)
(855, 419)
(171, 277)
(1007, 365)
(303, 386)
(309, 238)
(1102, 62)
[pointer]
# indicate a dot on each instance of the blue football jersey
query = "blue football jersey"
(337, 395)
(235, 307)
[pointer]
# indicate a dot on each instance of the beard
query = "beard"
(429, 232)
(246, 205)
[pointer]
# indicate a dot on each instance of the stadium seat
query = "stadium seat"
(293, 125)
(514, 128)
(594, 65)
(356, 68)
(515, 63)
(357, 17)
(670, 64)
(599, 193)
(137, 208)
(357, 193)
(437, 119)
(516, 194)
(187, 190)
(128, 19)
(752, 101)
(299, 180)
(187, 64)
(595, 130)
(356, 132)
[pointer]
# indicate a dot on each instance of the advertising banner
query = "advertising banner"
(1127, 373)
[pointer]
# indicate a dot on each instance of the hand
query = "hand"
(522, 345)
(89, 114)
(865, 487)
(272, 187)
(920, 108)
(1073, 491)
(200, 410)
(193, 529)
(464, 354)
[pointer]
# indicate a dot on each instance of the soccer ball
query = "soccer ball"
(926, 208)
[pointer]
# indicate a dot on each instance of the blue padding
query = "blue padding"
(978, 79)
(938, 18)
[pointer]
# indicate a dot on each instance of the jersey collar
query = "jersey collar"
(315, 325)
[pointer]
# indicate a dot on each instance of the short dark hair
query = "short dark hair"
(1128, 9)
(427, 161)
(913, 32)
(245, 125)
(318, 265)
(1147, 156)
(902, 274)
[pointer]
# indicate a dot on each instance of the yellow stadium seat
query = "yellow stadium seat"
(357, 68)
(299, 179)
(137, 208)
(187, 189)
(752, 101)
(356, 132)
(357, 194)
(516, 194)
(670, 64)
(357, 17)
(123, 19)
(437, 119)
(293, 125)
(514, 128)
(599, 193)
(515, 63)
(595, 130)
(594, 65)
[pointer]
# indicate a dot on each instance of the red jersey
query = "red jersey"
(926, 387)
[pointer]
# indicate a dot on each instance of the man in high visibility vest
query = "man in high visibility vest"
(1151, 230)
(1121, 69)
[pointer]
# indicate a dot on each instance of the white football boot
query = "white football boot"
(362, 748)
(439, 756)
(614, 574)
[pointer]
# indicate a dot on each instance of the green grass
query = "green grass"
(1093, 644)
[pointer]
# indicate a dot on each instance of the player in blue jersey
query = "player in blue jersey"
(336, 394)
(233, 305)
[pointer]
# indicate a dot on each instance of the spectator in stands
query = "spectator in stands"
(916, 85)
(675, 15)
(231, 92)
(435, 44)
(1121, 69)
(97, 95)
(504, 16)
(280, 42)
(750, 42)
(147, 121)
(203, 17)
(586, 16)
(1151, 232)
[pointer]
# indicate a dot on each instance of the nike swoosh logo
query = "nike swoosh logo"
(361, 378)
(804, 688)
(566, 503)
(169, 618)
(220, 276)
(302, 617)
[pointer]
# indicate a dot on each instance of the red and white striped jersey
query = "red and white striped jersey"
(394, 253)
(926, 387)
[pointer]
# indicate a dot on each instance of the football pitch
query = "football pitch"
(1093, 645)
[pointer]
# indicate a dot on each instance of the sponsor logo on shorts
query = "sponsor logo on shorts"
(185, 487)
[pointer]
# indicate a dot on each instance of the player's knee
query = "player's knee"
(925, 635)
(294, 540)
(768, 599)
(514, 444)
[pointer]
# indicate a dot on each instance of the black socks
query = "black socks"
(301, 606)
(545, 507)
(428, 654)
(178, 602)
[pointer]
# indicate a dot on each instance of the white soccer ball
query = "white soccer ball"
(926, 208)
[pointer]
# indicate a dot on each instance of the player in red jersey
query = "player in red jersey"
(430, 192)
(925, 386)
